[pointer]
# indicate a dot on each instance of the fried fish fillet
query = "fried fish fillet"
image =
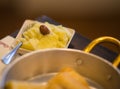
(67, 78)
(23, 85)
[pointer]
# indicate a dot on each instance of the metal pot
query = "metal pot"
(42, 64)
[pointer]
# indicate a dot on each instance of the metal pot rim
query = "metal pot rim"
(54, 49)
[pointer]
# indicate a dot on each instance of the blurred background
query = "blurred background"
(90, 18)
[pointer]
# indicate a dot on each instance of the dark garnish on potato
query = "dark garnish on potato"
(44, 30)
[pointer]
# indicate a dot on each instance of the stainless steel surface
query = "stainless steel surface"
(8, 57)
(42, 79)
(43, 62)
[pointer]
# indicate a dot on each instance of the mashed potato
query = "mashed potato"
(34, 39)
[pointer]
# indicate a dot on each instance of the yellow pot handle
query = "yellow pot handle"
(105, 39)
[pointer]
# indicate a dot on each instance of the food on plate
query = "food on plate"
(67, 78)
(44, 30)
(45, 35)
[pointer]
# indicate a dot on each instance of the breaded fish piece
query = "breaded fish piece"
(23, 85)
(67, 78)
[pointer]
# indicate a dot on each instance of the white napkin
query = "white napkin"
(5, 44)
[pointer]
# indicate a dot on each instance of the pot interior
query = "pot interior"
(42, 65)
(44, 78)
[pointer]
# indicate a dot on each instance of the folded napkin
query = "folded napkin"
(5, 44)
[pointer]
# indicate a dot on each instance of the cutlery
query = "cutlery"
(8, 57)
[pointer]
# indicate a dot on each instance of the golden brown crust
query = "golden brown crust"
(67, 78)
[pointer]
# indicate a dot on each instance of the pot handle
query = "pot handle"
(105, 39)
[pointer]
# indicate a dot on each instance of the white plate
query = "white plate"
(27, 24)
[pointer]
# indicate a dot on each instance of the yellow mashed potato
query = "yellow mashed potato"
(33, 39)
